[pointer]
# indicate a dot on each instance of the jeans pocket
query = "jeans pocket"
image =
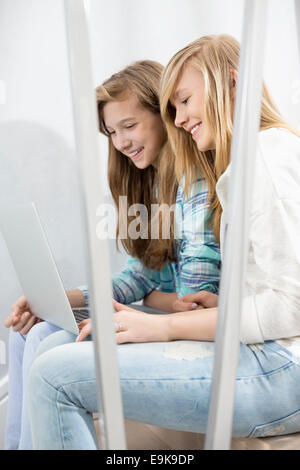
(288, 425)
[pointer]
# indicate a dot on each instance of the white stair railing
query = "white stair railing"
(100, 290)
(243, 151)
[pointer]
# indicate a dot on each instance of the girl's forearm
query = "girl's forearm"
(197, 325)
(76, 298)
(161, 300)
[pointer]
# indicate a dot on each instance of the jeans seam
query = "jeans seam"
(273, 372)
(58, 390)
(250, 377)
(61, 387)
(271, 422)
(270, 373)
(59, 420)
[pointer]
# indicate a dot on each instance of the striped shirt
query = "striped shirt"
(197, 252)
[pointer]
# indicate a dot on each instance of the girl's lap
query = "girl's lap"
(176, 360)
(169, 384)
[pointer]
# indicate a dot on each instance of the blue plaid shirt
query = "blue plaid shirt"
(198, 256)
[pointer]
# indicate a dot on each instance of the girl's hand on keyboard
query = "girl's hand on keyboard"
(131, 326)
(85, 329)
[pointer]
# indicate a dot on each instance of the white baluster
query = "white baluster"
(243, 150)
(100, 290)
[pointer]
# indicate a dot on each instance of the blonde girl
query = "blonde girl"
(169, 385)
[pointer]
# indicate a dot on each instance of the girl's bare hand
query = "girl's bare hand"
(85, 329)
(201, 299)
(21, 318)
(134, 326)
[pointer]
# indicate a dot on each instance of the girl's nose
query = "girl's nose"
(123, 143)
(180, 119)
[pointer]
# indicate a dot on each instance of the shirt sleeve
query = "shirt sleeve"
(199, 256)
(136, 281)
(271, 306)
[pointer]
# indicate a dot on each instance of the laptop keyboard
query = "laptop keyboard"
(81, 314)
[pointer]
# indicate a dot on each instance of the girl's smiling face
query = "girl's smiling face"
(188, 101)
(135, 131)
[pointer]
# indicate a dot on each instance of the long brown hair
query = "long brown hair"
(214, 57)
(147, 186)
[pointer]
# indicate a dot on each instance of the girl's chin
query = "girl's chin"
(142, 165)
(205, 147)
(201, 147)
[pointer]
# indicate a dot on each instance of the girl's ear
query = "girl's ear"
(233, 83)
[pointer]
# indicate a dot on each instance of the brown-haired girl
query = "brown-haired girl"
(141, 168)
(169, 384)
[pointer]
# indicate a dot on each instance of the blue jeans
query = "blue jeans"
(22, 351)
(164, 384)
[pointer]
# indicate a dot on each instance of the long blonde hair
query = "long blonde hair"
(215, 57)
(150, 185)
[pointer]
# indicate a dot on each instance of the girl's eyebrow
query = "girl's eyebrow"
(176, 95)
(122, 121)
(178, 92)
(126, 119)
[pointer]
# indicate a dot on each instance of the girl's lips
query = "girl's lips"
(137, 155)
(197, 130)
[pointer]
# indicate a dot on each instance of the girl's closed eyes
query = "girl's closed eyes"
(185, 101)
(126, 127)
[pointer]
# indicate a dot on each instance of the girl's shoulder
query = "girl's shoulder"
(275, 140)
(278, 161)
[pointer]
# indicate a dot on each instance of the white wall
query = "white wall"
(123, 31)
(282, 64)
(37, 143)
(37, 150)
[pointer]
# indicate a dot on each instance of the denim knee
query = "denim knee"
(41, 330)
(60, 337)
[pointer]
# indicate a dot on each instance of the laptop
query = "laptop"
(35, 267)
